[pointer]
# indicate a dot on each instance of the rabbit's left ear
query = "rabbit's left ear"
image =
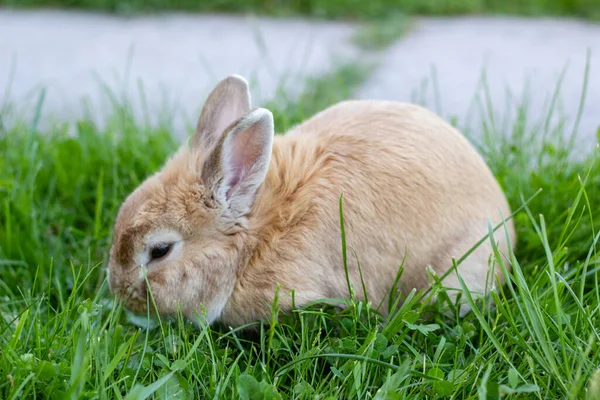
(238, 164)
(227, 103)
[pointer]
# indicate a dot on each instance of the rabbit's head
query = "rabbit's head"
(180, 237)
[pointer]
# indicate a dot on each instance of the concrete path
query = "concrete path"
(178, 58)
(521, 57)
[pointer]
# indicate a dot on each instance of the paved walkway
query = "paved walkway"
(180, 57)
(522, 59)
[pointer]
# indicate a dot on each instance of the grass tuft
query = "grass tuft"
(381, 33)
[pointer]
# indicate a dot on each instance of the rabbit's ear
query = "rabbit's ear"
(239, 162)
(228, 102)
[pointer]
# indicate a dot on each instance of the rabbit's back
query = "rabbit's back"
(405, 160)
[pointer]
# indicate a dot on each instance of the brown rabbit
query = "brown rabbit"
(239, 210)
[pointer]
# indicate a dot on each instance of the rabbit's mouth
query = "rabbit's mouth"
(135, 297)
(133, 292)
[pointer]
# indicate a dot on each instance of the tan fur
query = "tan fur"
(412, 187)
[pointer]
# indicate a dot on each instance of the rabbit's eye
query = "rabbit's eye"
(160, 251)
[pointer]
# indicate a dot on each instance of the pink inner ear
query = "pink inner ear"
(245, 151)
(233, 184)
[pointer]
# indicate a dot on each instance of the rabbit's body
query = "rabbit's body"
(407, 179)
(415, 193)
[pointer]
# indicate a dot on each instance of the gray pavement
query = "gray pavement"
(522, 60)
(178, 58)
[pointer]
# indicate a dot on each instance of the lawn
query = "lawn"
(63, 336)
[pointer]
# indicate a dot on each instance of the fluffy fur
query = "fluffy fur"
(244, 211)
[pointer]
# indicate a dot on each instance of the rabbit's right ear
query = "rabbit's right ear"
(228, 102)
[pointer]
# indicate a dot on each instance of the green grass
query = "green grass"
(62, 336)
(380, 34)
(344, 9)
